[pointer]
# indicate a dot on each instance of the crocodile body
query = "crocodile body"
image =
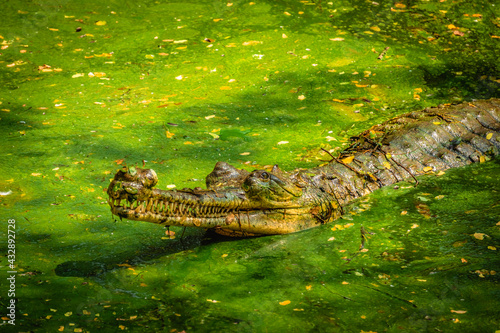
(241, 203)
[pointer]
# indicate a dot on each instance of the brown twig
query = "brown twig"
(381, 55)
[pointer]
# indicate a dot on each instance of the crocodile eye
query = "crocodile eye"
(264, 175)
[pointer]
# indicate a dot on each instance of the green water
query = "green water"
(90, 86)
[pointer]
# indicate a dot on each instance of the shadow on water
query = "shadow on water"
(136, 256)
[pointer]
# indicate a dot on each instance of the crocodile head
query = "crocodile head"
(236, 203)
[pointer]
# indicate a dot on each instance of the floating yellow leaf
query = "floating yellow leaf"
(287, 13)
(345, 282)
(224, 255)
(489, 136)
(212, 300)
(348, 159)
(479, 235)
(375, 28)
(302, 97)
(458, 311)
(285, 302)
(309, 287)
(67, 314)
(451, 26)
(252, 42)
(210, 117)
(169, 134)
(337, 39)
(245, 154)
(404, 212)
(61, 328)
(282, 142)
(338, 100)
(100, 23)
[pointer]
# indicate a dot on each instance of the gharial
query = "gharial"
(241, 203)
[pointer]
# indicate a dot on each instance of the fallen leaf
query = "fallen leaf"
(285, 302)
(252, 42)
(479, 235)
(169, 134)
(100, 23)
(282, 142)
(489, 136)
(348, 159)
(459, 311)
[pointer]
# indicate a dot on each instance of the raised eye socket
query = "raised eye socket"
(264, 175)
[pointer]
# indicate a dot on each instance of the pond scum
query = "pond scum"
(88, 87)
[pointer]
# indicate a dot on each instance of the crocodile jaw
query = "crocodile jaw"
(222, 211)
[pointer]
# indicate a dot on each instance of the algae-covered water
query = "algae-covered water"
(88, 87)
